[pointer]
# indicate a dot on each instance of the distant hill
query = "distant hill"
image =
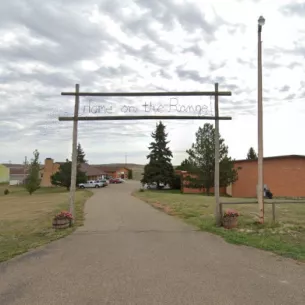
(128, 165)
(123, 165)
(137, 169)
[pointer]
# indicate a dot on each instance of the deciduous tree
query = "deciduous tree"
(202, 160)
(32, 181)
(63, 176)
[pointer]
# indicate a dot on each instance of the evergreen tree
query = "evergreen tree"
(63, 176)
(80, 154)
(32, 181)
(159, 169)
(202, 160)
(251, 154)
(130, 174)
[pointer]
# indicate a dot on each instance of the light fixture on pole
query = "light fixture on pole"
(261, 21)
(260, 185)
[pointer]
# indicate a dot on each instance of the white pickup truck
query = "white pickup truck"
(90, 184)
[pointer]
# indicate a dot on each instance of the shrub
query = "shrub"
(6, 192)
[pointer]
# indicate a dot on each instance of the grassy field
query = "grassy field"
(26, 220)
(286, 237)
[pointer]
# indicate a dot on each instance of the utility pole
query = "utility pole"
(260, 184)
(25, 168)
(125, 159)
(218, 212)
(74, 154)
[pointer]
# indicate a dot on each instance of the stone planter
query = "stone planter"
(61, 223)
(230, 222)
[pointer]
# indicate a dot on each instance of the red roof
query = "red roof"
(91, 170)
(17, 171)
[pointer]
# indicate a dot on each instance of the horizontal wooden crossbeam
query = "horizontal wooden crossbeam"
(266, 201)
(142, 117)
(167, 93)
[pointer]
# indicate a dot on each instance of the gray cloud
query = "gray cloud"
(162, 73)
(191, 75)
(285, 88)
(115, 72)
(290, 97)
(55, 79)
(231, 87)
(293, 65)
(272, 65)
(186, 14)
(298, 50)
(139, 26)
(53, 38)
(246, 62)
(66, 36)
(216, 66)
(195, 49)
(147, 53)
(294, 9)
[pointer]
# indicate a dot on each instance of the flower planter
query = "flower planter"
(230, 222)
(62, 220)
(61, 223)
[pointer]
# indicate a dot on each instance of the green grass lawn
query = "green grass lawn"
(286, 237)
(26, 220)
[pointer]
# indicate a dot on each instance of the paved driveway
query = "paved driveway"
(129, 253)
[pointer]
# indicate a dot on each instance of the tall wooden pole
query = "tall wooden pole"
(25, 167)
(260, 180)
(74, 154)
(218, 215)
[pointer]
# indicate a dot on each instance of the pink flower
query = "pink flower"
(64, 215)
(231, 213)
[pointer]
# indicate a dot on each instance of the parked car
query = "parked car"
(153, 186)
(91, 184)
(116, 180)
(104, 181)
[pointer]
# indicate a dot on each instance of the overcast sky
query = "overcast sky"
(46, 47)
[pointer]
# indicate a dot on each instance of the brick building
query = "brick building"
(284, 176)
(114, 171)
(13, 173)
(50, 167)
(92, 172)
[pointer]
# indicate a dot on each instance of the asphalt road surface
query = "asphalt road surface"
(129, 253)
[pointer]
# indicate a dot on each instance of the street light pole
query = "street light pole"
(260, 186)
